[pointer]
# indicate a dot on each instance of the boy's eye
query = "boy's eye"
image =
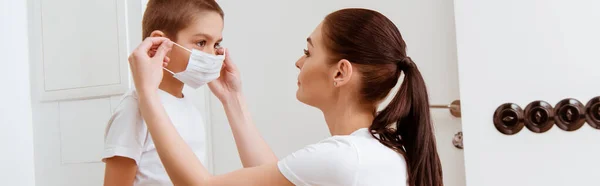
(306, 53)
(201, 43)
(217, 45)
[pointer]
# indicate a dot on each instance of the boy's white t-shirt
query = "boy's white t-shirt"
(350, 160)
(127, 135)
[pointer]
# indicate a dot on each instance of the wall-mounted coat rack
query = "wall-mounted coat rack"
(539, 116)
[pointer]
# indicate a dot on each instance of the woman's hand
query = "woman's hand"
(146, 63)
(228, 86)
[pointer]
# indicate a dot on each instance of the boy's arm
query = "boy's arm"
(123, 143)
(119, 171)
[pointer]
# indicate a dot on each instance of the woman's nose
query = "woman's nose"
(299, 63)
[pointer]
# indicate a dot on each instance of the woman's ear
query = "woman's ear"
(157, 33)
(342, 73)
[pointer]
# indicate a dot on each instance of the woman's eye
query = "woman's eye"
(201, 43)
(306, 53)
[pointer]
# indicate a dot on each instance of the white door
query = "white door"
(266, 37)
(520, 51)
(78, 59)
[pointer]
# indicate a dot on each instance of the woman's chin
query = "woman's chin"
(300, 96)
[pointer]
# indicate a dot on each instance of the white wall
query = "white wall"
(266, 37)
(520, 51)
(16, 136)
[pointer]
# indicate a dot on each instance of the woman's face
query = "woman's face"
(315, 81)
(204, 34)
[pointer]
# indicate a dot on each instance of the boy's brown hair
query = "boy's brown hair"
(171, 16)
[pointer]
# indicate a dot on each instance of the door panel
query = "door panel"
(69, 25)
(79, 48)
(82, 128)
(50, 168)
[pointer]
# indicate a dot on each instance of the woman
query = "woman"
(354, 58)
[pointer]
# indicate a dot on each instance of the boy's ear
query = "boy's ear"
(157, 33)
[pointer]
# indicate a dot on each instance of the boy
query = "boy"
(129, 152)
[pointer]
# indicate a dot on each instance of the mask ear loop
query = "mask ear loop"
(182, 47)
(179, 47)
(169, 71)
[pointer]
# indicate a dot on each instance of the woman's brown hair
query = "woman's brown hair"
(372, 42)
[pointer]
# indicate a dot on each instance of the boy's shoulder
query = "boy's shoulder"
(128, 101)
(130, 94)
(126, 115)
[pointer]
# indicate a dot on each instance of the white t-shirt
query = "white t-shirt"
(127, 135)
(352, 160)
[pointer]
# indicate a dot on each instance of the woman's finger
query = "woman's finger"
(152, 41)
(220, 51)
(147, 44)
(228, 63)
(164, 48)
(152, 52)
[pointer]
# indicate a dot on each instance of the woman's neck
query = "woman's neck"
(171, 85)
(343, 119)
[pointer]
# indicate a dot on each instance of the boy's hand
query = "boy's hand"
(228, 86)
(146, 63)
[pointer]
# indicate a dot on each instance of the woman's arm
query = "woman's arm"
(119, 171)
(252, 148)
(267, 174)
(179, 161)
(182, 165)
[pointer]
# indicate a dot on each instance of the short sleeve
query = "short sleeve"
(125, 132)
(333, 161)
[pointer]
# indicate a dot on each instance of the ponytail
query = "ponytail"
(373, 42)
(412, 135)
